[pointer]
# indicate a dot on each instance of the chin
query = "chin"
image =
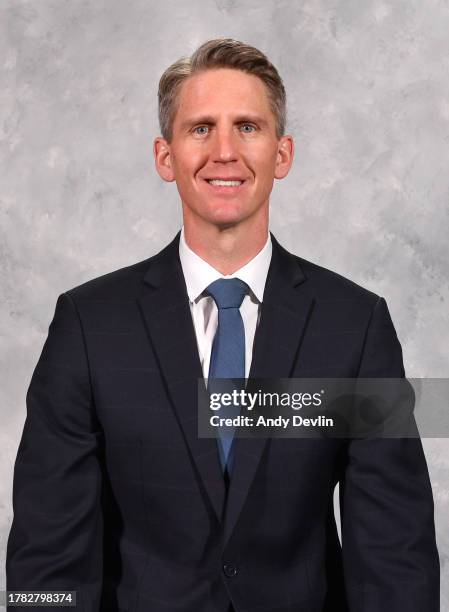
(227, 217)
(221, 214)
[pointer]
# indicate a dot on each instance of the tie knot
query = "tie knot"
(228, 292)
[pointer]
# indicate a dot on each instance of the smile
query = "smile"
(223, 183)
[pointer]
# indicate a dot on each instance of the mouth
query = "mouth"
(225, 183)
(225, 188)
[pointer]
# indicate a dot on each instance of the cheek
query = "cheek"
(263, 162)
(265, 173)
(187, 167)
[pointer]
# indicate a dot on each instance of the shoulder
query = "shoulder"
(340, 303)
(122, 283)
(329, 284)
(325, 284)
(126, 283)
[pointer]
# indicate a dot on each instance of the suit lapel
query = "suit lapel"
(168, 319)
(285, 311)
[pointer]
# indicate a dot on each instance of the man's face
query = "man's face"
(224, 154)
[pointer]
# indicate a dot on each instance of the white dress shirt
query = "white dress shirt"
(199, 274)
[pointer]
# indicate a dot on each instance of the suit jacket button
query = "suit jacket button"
(230, 569)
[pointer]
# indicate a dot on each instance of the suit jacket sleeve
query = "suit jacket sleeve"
(388, 539)
(56, 536)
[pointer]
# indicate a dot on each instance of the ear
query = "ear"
(162, 159)
(286, 151)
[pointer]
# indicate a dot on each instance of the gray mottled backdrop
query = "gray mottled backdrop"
(368, 195)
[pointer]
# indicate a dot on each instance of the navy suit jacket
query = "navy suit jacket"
(116, 496)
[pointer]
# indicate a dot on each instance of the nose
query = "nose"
(224, 146)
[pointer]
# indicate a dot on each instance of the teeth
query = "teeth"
(221, 183)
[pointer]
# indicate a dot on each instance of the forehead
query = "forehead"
(222, 90)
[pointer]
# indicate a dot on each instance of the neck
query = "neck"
(227, 248)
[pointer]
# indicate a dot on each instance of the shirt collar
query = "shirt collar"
(199, 274)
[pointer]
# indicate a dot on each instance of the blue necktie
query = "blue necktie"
(227, 358)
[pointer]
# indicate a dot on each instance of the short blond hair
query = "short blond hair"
(220, 53)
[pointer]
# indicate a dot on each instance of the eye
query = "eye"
(247, 128)
(201, 130)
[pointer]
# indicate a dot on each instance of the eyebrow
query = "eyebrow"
(208, 119)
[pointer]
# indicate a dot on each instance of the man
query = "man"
(117, 497)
